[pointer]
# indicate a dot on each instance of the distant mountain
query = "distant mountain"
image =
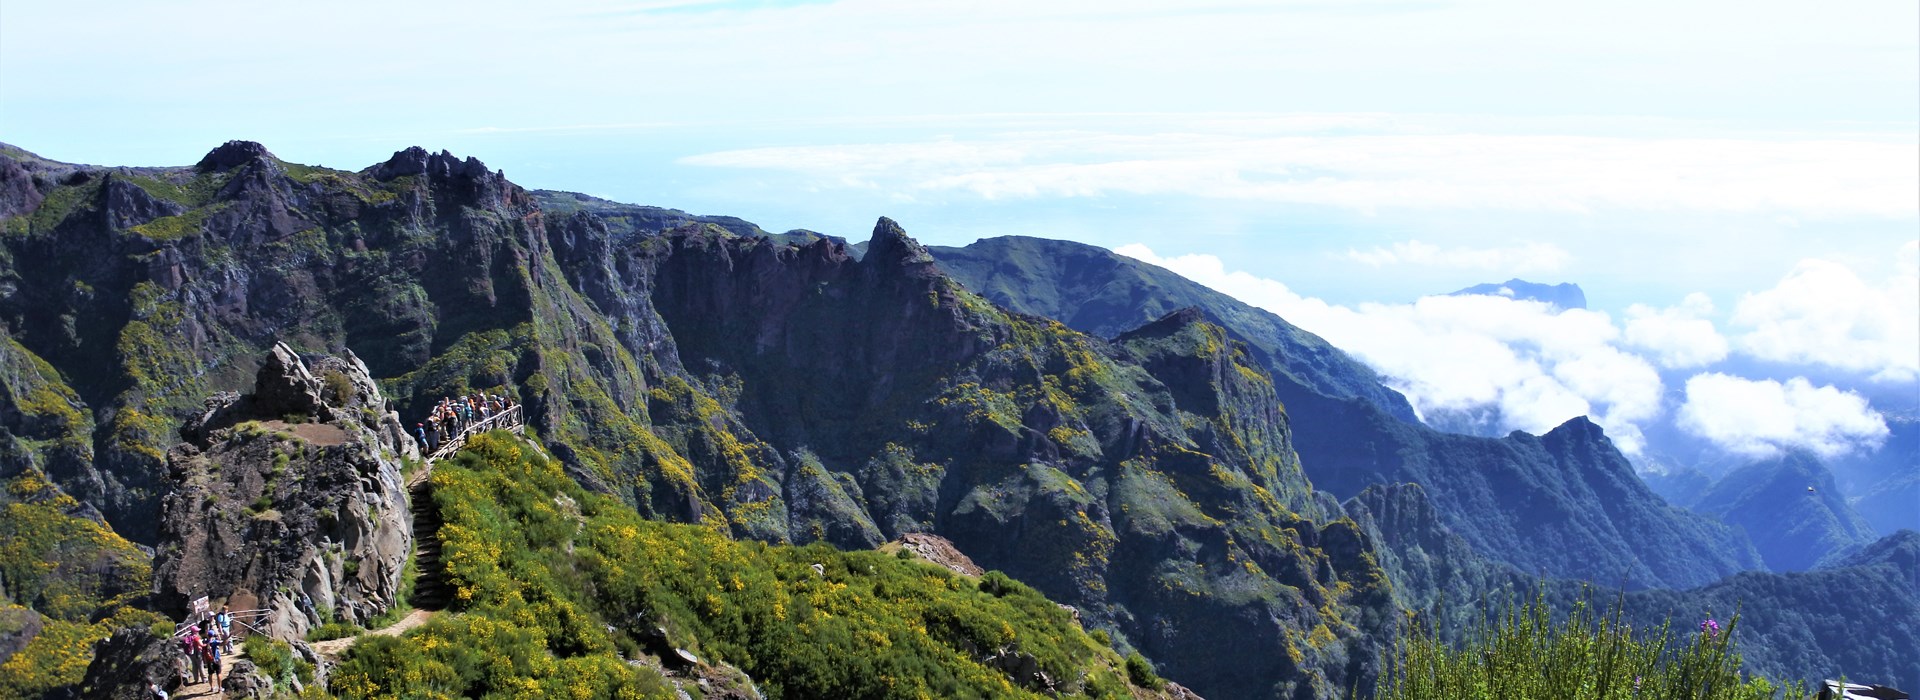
(1096, 291)
(1893, 504)
(1790, 509)
(625, 221)
(1860, 617)
(1565, 505)
(1886, 483)
(1564, 295)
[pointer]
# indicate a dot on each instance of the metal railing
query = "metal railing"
(508, 419)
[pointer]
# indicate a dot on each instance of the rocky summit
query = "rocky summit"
(751, 465)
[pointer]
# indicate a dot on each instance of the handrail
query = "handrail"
(509, 418)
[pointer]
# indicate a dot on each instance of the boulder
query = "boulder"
(244, 680)
(128, 665)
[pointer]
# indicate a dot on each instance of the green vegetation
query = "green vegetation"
(169, 228)
(1141, 672)
(334, 630)
(276, 660)
(74, 572)
(540, 567)
(1526, 655)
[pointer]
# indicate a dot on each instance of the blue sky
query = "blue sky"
(1733, 177)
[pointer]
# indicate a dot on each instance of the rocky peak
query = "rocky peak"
(418, 161)
(284, 385)
(232, 154)
(891, 247)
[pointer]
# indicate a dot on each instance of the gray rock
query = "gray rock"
(18, 627)
(305, 520)
(244, 680)
(129, 664)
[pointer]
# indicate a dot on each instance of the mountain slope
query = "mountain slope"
(1564, 505)
(777, 391)
(557, 586)
(1860, 618)
(1095, 291)
(1790, 508)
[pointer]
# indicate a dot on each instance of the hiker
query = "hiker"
(224, 620)
(191, 645)
(211, 654)
(420, 431)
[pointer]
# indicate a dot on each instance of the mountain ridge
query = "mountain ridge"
(665, 369)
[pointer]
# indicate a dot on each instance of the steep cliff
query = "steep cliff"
(1566, 504)
(290, 499)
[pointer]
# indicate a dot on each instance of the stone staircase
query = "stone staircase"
(430, 590)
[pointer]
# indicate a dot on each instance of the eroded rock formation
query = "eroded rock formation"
(290, 499)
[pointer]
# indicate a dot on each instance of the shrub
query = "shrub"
(1525, 654)
(336, 388)
(1141, 672)
(334, 630)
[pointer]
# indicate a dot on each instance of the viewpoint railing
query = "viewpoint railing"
(508, 419)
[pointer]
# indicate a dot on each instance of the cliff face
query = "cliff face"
(1566, 504)
(776, 389)
(290, 499)
(1150, 483)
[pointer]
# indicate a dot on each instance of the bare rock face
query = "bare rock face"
(940, 550)
(289, 499)
(129, 665)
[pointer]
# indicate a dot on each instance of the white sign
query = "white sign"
(200, 606)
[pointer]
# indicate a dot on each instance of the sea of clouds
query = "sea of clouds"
(1528, 365)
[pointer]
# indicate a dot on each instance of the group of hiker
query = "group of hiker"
(203, 645)
(455, 414)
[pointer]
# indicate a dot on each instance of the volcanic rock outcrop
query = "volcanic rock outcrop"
(289, 499)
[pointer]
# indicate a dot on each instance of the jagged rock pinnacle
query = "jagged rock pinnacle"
(890, 245)
(416, 161)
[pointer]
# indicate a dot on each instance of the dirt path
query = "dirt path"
(208, 689)
(335, 647)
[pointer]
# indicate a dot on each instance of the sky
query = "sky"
(1736, 185)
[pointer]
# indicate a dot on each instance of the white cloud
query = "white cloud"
(1531, 257)
(1535, 365)
(1823, 313)
(1679, 337)
(1403, 164)
(1760, 418)
(1527, 366)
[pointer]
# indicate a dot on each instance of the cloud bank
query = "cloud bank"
(1760, 418)
(1822, 313)
(1526, 365)
(1392, 165)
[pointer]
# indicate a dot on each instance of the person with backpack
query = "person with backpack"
(196, 665)
(211, 654)
(224, 620)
